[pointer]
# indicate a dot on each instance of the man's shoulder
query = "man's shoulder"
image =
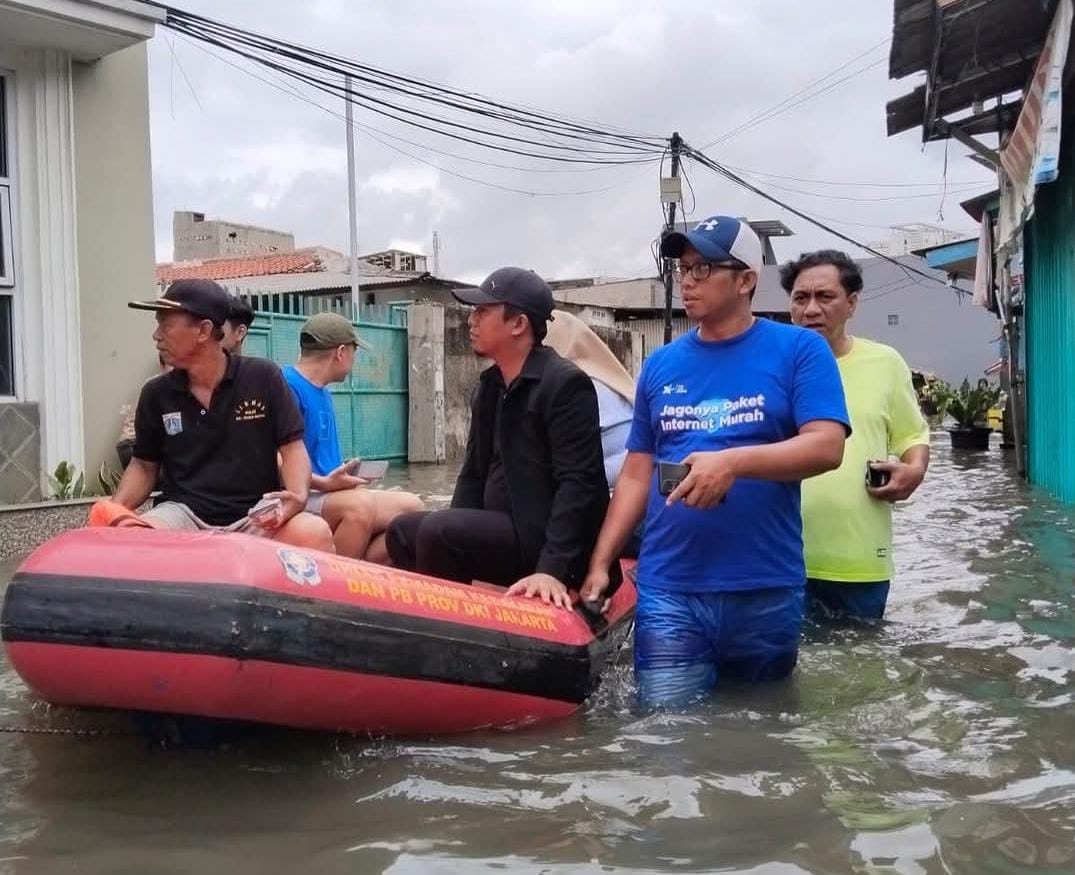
(555, 365)
(553, 372)
(255, 367)
(875, 352)
(293, 377)
(161, 386)
(789, 336)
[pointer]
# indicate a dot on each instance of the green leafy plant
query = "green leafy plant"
(968, 406)
(108, 479)
(67, 482)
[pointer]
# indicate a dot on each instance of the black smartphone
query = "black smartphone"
(670, 475)
(875, 478)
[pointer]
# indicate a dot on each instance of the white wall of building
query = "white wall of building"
(81, 211)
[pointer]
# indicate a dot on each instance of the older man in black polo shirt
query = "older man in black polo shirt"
(211, 429)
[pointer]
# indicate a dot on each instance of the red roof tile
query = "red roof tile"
(231, 267)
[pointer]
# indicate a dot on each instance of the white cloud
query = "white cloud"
(248, 151)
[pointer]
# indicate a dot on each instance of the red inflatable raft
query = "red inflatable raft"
(242, 628)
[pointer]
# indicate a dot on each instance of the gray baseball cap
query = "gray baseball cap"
(327, 331)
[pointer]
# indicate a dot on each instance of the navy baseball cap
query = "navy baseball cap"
(718, 238)
(202, 298)
(516, 286)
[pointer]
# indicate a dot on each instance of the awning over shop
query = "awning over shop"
(955, 259)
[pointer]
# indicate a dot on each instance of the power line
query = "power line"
(376, 135)
(385, 108)
(577, 156)
(708, 162)
(786, 104)
(845, 183)
(388, 81)
(566, 140)
(898, 197)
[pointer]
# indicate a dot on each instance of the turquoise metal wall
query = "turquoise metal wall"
(1050, 334)
(371, 408)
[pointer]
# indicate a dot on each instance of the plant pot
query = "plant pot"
(973, 438)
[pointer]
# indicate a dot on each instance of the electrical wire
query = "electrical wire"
(377, 134)
(768, 175)
(486, 123)
(897, 197)
(566, 140)
(780, 107)
(391, 81)
(584, 156)
(709, 163)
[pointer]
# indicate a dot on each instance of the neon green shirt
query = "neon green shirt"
(847, 534)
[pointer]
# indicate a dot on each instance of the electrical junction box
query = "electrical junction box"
(671, 189)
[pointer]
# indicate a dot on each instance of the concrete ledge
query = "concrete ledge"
(25, 527)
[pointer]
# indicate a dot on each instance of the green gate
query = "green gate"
(371, 407)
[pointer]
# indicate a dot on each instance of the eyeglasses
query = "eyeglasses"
(703, 270)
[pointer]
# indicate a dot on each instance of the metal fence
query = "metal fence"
(371, 406)
(298, 304)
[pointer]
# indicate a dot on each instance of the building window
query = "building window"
(7, 249)
(893, 319)
(7, 260)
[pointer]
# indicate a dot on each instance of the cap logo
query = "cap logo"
(492, 285)
(708, 225)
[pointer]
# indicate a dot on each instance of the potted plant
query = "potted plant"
(969, 407)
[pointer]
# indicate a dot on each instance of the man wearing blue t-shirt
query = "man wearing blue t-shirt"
(358, 516)
(752, 407)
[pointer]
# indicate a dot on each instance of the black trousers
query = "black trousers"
(457, 544)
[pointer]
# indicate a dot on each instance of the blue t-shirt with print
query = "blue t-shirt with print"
(695, 395)
(315, 402)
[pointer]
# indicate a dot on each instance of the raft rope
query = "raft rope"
(45, 730)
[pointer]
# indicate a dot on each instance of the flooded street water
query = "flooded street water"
(943, 742)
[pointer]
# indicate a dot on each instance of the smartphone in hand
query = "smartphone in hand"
(265, 508)
(368, 469)
(875, 478)
(670, 475)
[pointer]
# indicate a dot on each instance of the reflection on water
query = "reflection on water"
(943, 742)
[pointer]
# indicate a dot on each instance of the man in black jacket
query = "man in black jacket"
(532, 493)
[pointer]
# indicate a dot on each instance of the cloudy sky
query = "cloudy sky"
(234, 147)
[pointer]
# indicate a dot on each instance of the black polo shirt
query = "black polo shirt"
(219, 461)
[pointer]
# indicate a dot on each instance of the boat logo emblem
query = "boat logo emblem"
(299, 569)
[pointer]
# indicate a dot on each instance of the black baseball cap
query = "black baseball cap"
(516, 286)
(202, 298)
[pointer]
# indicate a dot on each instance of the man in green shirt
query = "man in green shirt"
(847, 523)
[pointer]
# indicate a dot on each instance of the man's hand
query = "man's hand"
(544, 586)
(290, 504)
(712, 475)
(594, 586)
(903, 480)
(338, 479)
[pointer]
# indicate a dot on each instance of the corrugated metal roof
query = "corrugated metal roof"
(970, 50)
(310, 282)
(329, 281)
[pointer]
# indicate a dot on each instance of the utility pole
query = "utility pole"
(436, 254)
(352, 207)
(671, 193)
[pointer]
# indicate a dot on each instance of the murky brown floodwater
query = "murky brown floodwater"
(943, 743)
